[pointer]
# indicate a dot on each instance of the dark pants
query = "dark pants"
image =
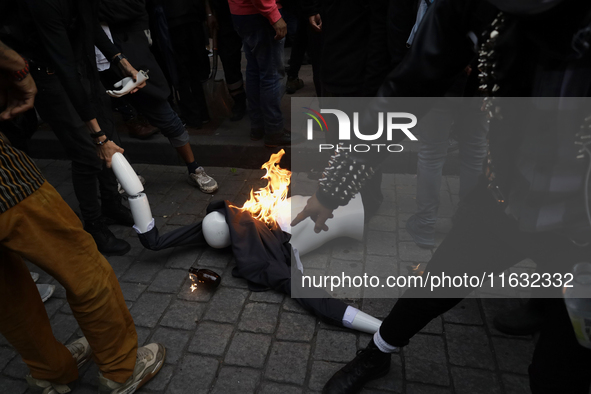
(229, 45)
(193, 66)
(265, 71)
(299, 47)
(55, 108)
(484, 239)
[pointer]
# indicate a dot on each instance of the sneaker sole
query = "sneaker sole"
(190, 182)
(119, 253)
(149, 376)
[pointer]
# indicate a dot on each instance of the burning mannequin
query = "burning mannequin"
(260, 244)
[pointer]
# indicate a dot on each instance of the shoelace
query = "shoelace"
(144, 353)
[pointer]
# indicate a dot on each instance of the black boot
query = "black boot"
(239, 108)
(525, 320)
(105, 240)
(115, 212)
(369, 364)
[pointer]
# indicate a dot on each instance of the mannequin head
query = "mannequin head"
(216, 230)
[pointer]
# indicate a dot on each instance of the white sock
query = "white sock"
(383, 345)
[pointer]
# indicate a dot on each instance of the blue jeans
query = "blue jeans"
(265, 71)
(472, 129)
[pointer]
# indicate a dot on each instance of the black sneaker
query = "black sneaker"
(257, 134)
(106, 241)
(115, 212)
(369, 364)
(283, 138)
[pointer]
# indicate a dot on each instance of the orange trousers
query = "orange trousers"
(43, 229)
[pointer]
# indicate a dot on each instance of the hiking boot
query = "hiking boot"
(115, 212)
(283, 138)
(293, 84)
(257, 133)
(525, 320)
(45, 291)
(239, 108)
(204, 182)
(140, 128)
(369, 364)
(81, 352)
(422, 235)
(106, 241)
(150, 359)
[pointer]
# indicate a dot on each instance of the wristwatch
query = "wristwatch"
(22, 73)
(97, 134)
(101, 143)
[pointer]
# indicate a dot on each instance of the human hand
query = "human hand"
(280, 29)
(316, 22)
(106, 151)
(17, 96)
(315, 211)
(128, 71)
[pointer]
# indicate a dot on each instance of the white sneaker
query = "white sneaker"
(45, 291)
(81, 351)
(204, 182)
(150, 359)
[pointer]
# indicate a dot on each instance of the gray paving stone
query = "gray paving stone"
(173, 340)
(63, 326)
(288, 362)
(466, 312)
(468, 346)
(270, 296)
(54, 304)
(347, 249)
(159, 382)
(378, 307)
(16, 368)
(291, 305)
(409, 251)
(228, 280)
(219, 258)
(11, 386)
(425, 360)
(183, 219)
(132, 291)
(6, 354)
(406, 203)
(435, 326)
(226, 304)
(296, 327)
(168, 281)
(321, 372)
(469, 381)
(382, 223)
(513, 355)
(259, 317)
(381, 266)
(275, 388)
(149, 308)
(236, 380)
(183, 257)
(183, 315)
(388, 208)
(248, 350)
(515, 384)
(211, 338)
(416, 388)
(492, 306)
(335, 346)
(142, 335)
(381, 243)
(195, 375)
(393, 381)
(142, 272)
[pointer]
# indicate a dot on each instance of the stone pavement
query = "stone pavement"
(236, 341)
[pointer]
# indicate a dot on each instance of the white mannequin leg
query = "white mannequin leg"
(138, 201)
(361, 321)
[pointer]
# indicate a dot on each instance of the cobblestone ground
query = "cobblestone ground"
(236, 341)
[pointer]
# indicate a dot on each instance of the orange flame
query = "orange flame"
(264, 203)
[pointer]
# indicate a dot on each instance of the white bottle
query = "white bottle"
(578, 303)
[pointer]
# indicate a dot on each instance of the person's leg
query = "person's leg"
(25, 324)
(433, 136)
(245, 27)
(69, 254)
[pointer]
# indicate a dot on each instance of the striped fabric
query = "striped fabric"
(19, 176)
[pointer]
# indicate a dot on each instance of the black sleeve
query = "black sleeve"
(50, 25)
(311, 7)
(114, 12)
(103, 43)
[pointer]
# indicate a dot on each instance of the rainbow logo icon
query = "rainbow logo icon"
(315, 115)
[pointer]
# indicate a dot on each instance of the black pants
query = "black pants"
(229, 45)
(484, 239)
(299, 46)
(55, 108)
